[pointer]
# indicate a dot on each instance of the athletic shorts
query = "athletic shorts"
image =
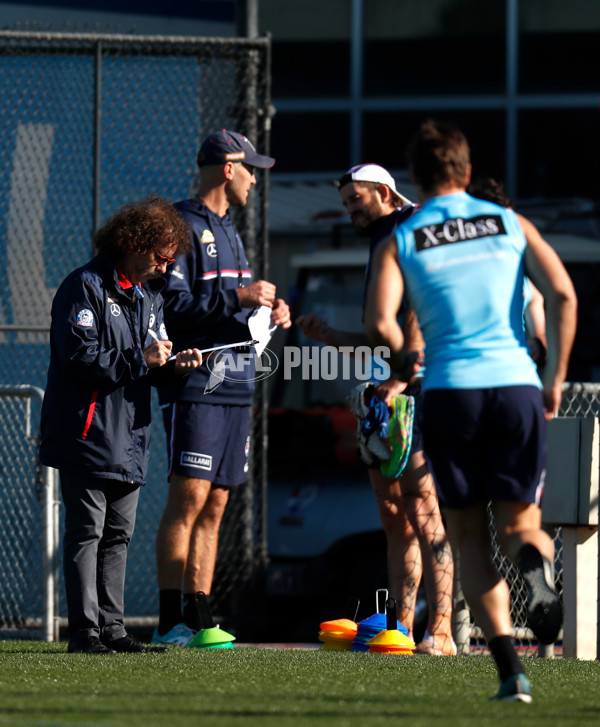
(416, 390)
(485, 444)
(208, 441)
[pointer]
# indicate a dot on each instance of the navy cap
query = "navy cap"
(229, 146)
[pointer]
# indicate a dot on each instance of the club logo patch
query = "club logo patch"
(162, 333)
(194, 459)
(85, 318)
(207, 236)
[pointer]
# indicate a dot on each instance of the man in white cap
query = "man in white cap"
(408, 505)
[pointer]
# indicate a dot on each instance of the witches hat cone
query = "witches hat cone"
(338, 635)
(208, 636)
(391, 640)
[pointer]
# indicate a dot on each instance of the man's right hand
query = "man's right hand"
(259, 293)
(406, 365)
(157, 353)
(387, 390)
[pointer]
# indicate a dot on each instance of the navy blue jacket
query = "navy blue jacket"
(96, 411)
(203, 310)
(379, 231)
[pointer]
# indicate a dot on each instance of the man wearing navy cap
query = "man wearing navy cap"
(208, 298)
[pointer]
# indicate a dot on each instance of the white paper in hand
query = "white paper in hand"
(217, 375)
(261, 327)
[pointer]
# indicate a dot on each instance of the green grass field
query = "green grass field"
(40, 684)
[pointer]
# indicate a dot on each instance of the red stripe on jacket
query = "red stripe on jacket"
(90, 414)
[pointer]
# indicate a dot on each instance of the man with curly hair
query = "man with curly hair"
(108, 345)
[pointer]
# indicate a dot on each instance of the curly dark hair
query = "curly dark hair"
(142, 226)
(491, 190)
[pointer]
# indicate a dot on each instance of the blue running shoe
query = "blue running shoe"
(179, 635)
(514, 689)
(371, 446)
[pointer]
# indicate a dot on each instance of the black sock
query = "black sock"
(169, 613)
(196, 611)
(505, 656)
(530, 559)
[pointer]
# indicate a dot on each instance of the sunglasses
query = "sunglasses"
(162, 258)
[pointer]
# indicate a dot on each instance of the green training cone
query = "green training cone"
(213, 638)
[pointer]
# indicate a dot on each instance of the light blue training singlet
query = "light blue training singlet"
(462, 263)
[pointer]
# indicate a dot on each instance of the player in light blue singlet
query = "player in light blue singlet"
(462, 262)
(534, 317)
(473, 324)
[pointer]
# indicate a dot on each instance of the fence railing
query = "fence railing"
(28, 520)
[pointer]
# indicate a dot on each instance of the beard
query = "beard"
(364, 219)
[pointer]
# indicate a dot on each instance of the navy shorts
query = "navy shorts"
(208, 441)
(486, 444)
(416, 390)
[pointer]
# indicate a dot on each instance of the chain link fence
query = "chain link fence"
(88, 123)
(28, 518)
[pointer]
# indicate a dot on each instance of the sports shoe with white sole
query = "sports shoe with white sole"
(179, 635)
(544, 606)
(370, 445)
(514, 689)
(399, 438)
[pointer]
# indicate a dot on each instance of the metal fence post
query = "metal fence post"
(48, 525)
(50, 616)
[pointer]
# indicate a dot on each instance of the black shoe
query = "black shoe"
(92, 645)
(128, 645)
(544, 606)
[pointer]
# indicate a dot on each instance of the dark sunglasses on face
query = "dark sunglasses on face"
(162, 258)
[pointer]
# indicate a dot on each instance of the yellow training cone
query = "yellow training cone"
(335, 640)
(392, 641)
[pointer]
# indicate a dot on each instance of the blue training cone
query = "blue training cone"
(373, 625)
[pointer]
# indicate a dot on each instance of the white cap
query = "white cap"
(371, 173)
